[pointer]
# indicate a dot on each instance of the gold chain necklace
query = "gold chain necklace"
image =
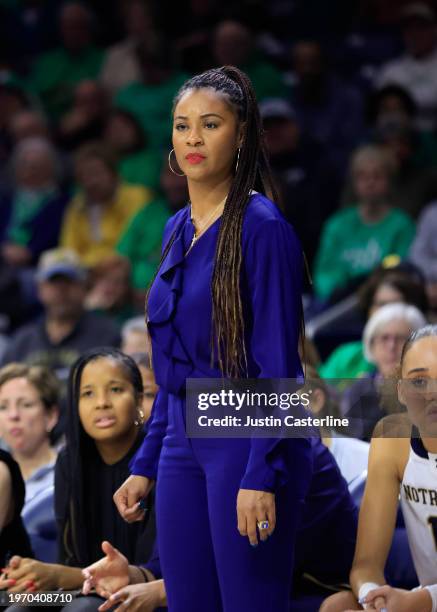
(207, 223)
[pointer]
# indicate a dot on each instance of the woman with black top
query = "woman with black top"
(13, 536)
(103, 433)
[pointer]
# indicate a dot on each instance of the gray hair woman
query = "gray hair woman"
(384, 336)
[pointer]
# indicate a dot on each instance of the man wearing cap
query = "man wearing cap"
(65, 329)
(416, 70)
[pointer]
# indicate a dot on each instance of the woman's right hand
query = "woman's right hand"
(107, 575)
(128, 496)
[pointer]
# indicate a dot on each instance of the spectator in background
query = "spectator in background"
(23, 124)
(417, 69)
(391, 115)
(110, 290)
(122, 64)
(65, 329)
(355, 240)
(134, 338)
(307, 181)
(32, 211)
(138, 164)
(26, 124)
(13, 99)
(99, 213)
(384, 336)
(423, 252)
(29, 400)
(85, 120)
(150, 388)
(13, 537)
(234, 44)
(386, 285)
(393, 106)
(328, 110)
(57, 72)
(150, 98)
(141, 242)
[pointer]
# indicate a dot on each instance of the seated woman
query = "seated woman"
(356, 239)
(103, 433)
(13, 536)
(401, 282)
(330, 518)
(401, 463)
(29, 399)
(368, 399)
(99, 213)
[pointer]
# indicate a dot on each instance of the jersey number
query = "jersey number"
(432, 520)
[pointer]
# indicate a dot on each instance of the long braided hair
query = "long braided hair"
(252, 172)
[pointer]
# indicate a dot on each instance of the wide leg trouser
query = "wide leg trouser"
(207, 565)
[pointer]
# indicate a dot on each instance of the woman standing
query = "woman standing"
(230, 272)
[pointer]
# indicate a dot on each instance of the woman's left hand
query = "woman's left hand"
(252, 507)
(31, 575)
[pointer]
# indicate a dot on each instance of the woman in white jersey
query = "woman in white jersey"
(403, 464)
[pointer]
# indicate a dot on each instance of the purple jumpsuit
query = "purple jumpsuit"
(207, 565)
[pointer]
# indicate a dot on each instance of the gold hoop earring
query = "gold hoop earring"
(169, 165)
(140, 420)
(238, 159)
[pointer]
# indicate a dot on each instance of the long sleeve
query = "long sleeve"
(145, 462)
(273, 269)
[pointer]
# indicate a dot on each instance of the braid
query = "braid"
(252, 173)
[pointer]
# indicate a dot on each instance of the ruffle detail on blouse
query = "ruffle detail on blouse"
(172, 362)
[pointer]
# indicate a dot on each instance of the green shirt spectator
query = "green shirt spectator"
(56, 72)
(151, 103)
(346, 363)
(266, 79)
(141, 168)
(234, 45)
(138, 163)
(141, 242)
(355, 240)
(350, 247)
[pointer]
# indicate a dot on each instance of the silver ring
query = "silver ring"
(263, 525)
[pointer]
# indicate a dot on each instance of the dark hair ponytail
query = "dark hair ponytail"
(252, 173)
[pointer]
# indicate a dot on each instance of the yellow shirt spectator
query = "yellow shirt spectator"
(92, 230)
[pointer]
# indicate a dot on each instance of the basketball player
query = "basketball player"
(405, 466)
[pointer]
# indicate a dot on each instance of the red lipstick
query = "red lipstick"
(194, 158)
